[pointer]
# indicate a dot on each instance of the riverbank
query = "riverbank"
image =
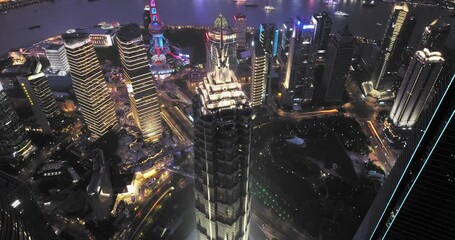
(17, 4)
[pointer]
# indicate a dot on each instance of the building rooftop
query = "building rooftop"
(221, 90)
(129, 32)
(220, 21)
(73, 38)
(54, 47)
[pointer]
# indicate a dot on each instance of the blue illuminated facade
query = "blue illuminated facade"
(297, 86)
(416, 201)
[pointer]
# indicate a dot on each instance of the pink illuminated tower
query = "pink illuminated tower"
(159, 45)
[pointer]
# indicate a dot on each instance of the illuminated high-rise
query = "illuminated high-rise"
(259, 75)
(88, 82)
(142, 92)
(221, 36)
(39, 94)
(21, 217)
(15, 145)
(222, 146)
(56, 55)
(417, 88)
(268, 38)
(298, 84)
(416, 200)
(396, 37)
(337, 63)
(434, 36)
(240, 30)
(268, 41)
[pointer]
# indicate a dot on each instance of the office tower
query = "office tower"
(323, 25)
(268, 38)
(337, 63)
(221, 36)
(159, 45)
(297, 87)
(240, 30)
(396, 37)
(222, 145)
(259, 75)
(369, 53)
(434, 36)
(88, 82)
(21, 217)
(56, 55)
(15, 145)
(416, 200)
(417, 88)
(146, 16)
(287, 33)
(138, 78)
(39, 95)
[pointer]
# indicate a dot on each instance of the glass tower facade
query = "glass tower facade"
(141, 87)
(417, 88)
(222, 146)
(88, 82)
(397, 32)
(337, 63)
(14, 141)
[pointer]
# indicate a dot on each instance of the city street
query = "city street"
(365, 113)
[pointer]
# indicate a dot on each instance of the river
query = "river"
(56, 17)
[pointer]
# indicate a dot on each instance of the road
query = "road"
(178, 123)
(365, 113)
(307, 115)
(147, 209)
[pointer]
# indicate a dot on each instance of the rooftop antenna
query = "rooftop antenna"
(221, 55)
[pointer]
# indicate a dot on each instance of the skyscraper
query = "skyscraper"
(268, 41)
(396, 37)
(240, 30)
(416, 200)
(323, 25)
(221, 36)
(14, 141)
(259, 75)
(142, 92)
(88, 82)
(39, 94)
(337, 63)
(297, 87)
(56, 55)
(146, 16)
(417, 88)
(21, 217)
(268, 38)
(434, 36)
(222, 145)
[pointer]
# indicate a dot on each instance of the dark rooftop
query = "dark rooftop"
(129, 32)
(54, 47)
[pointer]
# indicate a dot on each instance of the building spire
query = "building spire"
(154, 15)
(222, 55)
